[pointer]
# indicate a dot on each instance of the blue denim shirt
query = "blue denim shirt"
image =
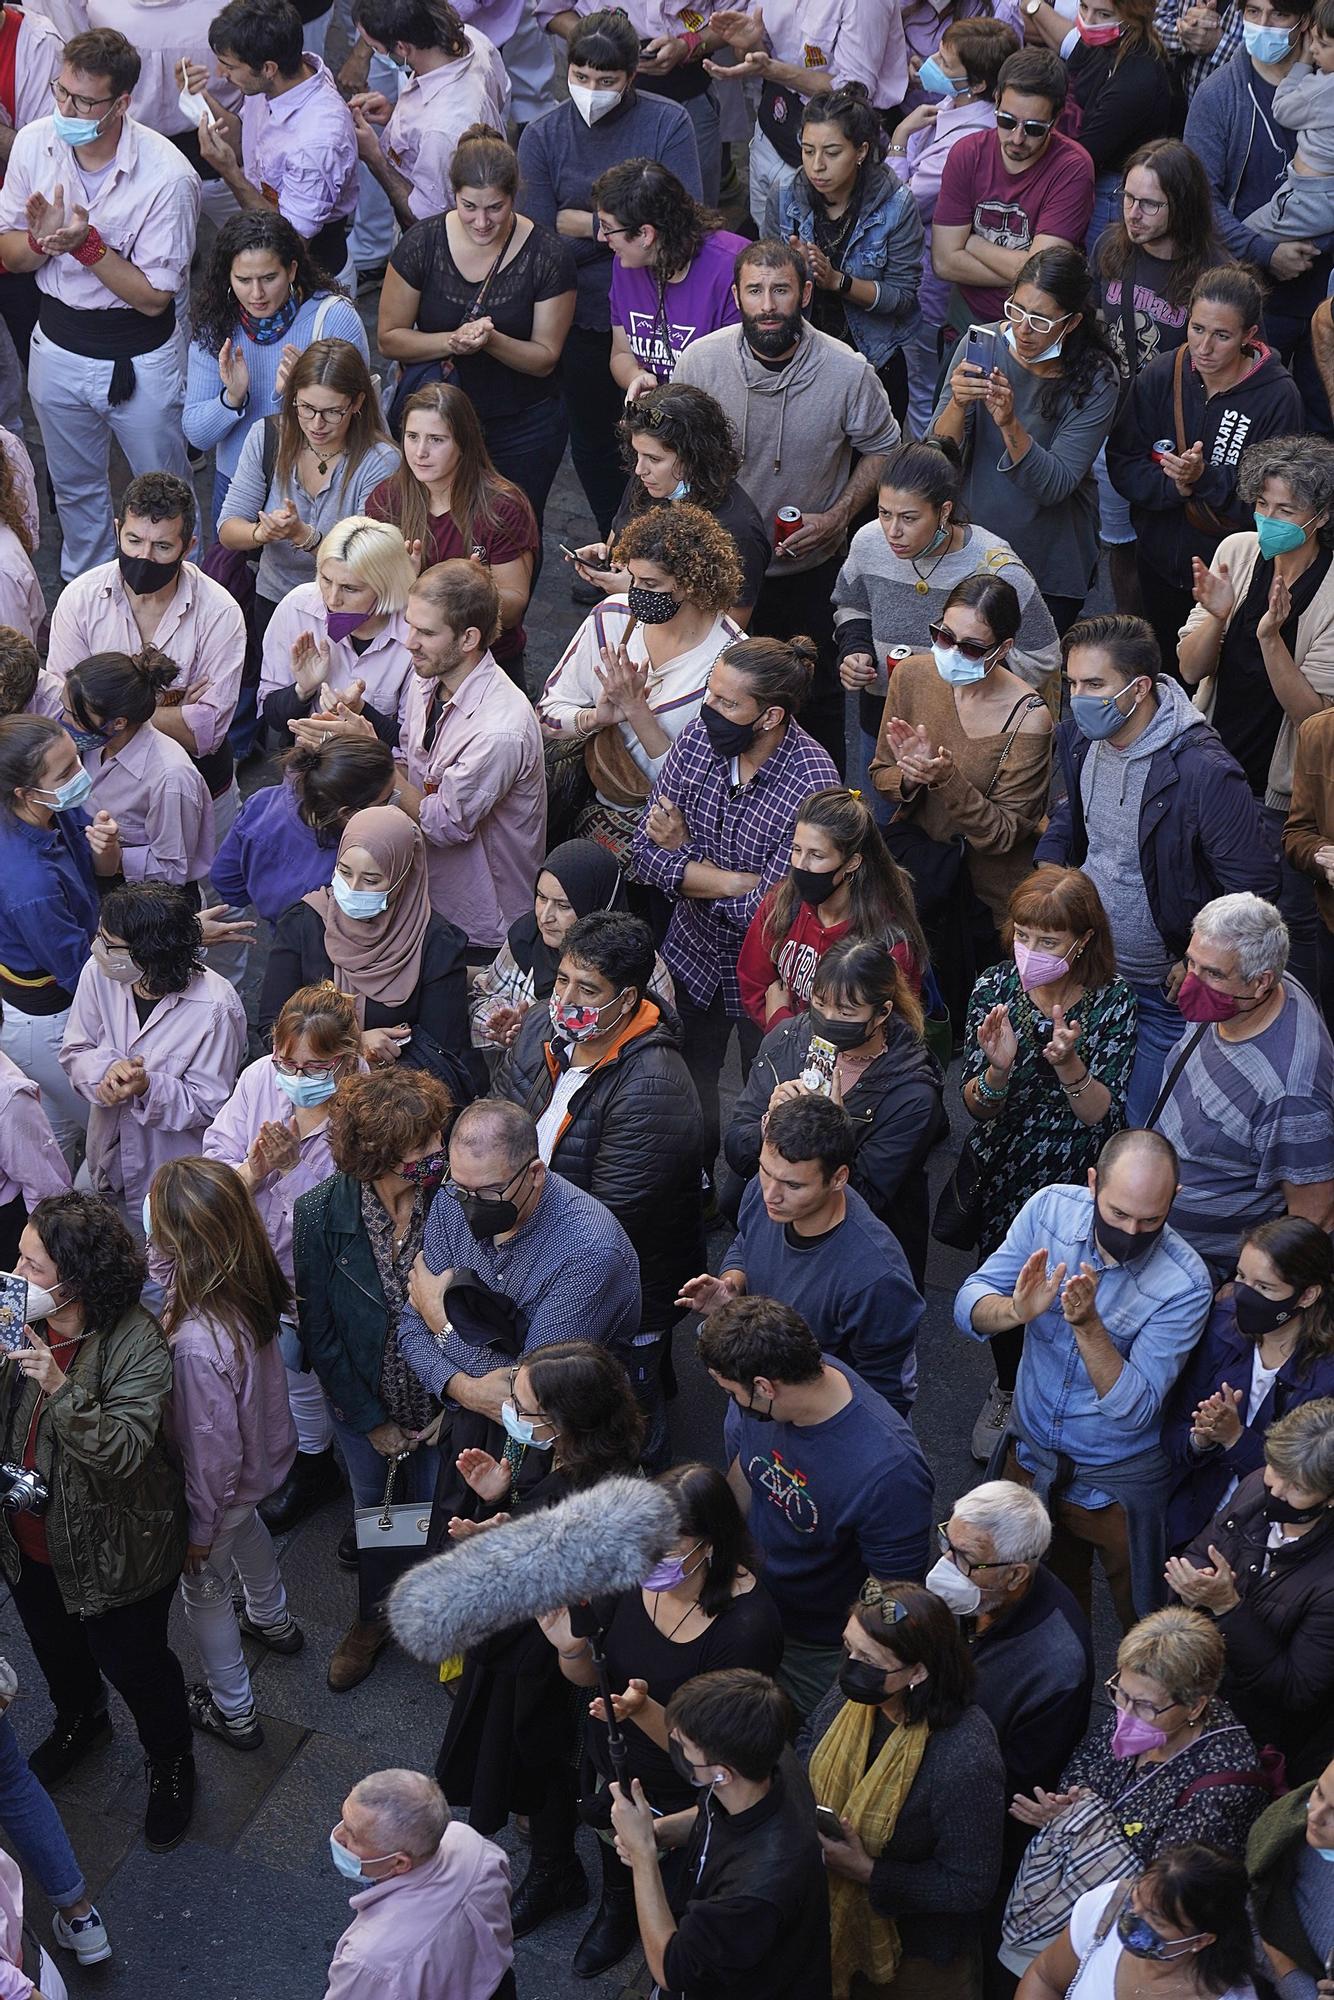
(48, 912)
(1153, 1311)
(885, 247)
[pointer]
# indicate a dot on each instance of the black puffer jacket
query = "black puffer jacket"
(897, 1114)
(632, 1138)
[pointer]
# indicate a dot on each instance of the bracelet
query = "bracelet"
(92, 249)
(1073, 1090)
(255, 542)
(896, 152)
(694, 42)
(309, 547)
(987, 1090)
(237, 409)
(35, 246)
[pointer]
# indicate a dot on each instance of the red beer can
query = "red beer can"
(1159, 446)
(786, 522)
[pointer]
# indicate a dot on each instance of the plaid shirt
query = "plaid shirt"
(1193, 69)
(746, 828)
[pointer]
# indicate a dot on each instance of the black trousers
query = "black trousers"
(594, 404)
(1167, 606)
(802, 605)
(707, 1031)
(127, 1645)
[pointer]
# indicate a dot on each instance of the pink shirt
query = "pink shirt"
(37, 59)
(646, 17)
(300, 149)
(147, 209)
(257, 1101)
(434, 110)
(384, 665)
(191, 1044)
(202, 630)
(161, 805)
(14, 1981)
(22, 605)
(25, 482)
(484, 813)
(229, 1419)
(163, 31)
(439, 1933)
(497, 19)
(31, 1163)
(48, 696)
(857, 41)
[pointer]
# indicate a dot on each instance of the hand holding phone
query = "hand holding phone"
(980, 348)
(829, 1824)
(13, 1313)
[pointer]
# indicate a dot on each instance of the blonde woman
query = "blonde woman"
(342, 637)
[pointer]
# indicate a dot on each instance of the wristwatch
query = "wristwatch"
(1031, 7)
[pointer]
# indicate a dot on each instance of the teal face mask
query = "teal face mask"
(935, 82)
(1267, 45)
(305, 1092)
(64, 798)
(1047, 354)
(148, 1217)
(76, 131)
(1279, 538)
(680, 491)
(360, 903)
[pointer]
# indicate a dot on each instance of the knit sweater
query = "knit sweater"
(208, 421)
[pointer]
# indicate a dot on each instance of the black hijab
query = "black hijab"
(590, 877)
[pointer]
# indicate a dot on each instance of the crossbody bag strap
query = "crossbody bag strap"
(1179, 397)
(1024, 706)
(1177, 1068)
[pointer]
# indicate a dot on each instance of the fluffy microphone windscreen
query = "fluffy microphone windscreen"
(593, 1544)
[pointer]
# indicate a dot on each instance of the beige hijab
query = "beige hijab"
(380, 958)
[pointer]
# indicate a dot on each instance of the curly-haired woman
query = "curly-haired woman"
(634, 675)
(93, 1575)
(22, 606)
(671, 281)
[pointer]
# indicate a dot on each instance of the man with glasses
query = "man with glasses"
(1007, 193)
(104, 211)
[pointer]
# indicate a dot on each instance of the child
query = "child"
(1304, 101)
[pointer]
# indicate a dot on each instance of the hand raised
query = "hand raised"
(1036, 1288)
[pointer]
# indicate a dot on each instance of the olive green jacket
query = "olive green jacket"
(116, 1522)
(1272, 1853)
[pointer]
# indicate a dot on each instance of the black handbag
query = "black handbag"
(933, 866)
(957, 1222)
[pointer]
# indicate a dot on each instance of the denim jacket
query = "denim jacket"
(885, 246)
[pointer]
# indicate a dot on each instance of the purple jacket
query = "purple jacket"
(229, 1421)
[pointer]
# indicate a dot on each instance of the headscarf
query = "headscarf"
(380, 958)
(590, 877)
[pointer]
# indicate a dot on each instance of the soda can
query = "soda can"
(786, 522)
(894, 655)
(1159, 446)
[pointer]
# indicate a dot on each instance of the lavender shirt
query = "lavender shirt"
(922, 169)
(31, 1163)
(229, 1420)
(257, 1100)
(38, 55)
(441, 1932)
(48, 697)
(22, 605)
(162, 35)
(161, 805)
(857, 41)
(432, 113)
(384, 665)
(302, 146)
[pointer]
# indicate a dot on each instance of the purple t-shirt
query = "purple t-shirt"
(699, 304)
(1054, 198)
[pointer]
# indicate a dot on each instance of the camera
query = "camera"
(22, 1490)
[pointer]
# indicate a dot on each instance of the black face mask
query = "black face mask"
(1257, 1315)
(1283, 1512)
(488, 1216)
(143, 576)
(749, 1409)
(858, 1682)
(726, 738)
(652, 607)
(1125, 1245)
(815, 885)
(843, 1034)
(683, 1767)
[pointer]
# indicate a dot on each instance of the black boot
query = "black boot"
(171, 1800)
(73, 1737)
(615, 1929)
(314, 1478)
(552, 1884)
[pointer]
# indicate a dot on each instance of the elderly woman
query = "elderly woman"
(93, 1575)
(1170, 1764)
(1264, 1570)
(901, 1752)
(343, 637)
(1260, 640)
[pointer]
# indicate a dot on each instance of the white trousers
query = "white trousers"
(767, 170)
(69, 394)
(33, 1042)
(243, 1548)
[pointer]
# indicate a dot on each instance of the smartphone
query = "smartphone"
(570, 555)
(829, 1824)
(13, 1313)
(980, 348)
(821, 1061)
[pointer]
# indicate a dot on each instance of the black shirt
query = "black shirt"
(743, 522)
(1247, 713)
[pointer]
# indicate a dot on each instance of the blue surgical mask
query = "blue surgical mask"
(935, 82)
(1097, 716)
(305, 1091)
(359, 903)
(680, 490)
(76, 131)
(1279, 538)
(1267, 45)
(521, 1428)
(64, 798)
(1326, 1853)
(349, 1865)
(954, 668)
(1047, 354)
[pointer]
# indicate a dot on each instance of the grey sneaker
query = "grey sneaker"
(86, 1937)
(992, 1419)
(241, 1731)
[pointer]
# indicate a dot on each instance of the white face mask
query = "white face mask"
(952, 1587)
(593, 104)
(41, 1303)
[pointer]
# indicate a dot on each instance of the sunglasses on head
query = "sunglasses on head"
(972, 649)
(1034, 128)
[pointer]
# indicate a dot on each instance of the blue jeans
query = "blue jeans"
(1160, 1028)
(33, 1825)
(1106, 206)
(367, 1469)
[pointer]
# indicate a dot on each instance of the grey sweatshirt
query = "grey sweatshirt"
(797, 426)
(1112, 787)
(1304, 102)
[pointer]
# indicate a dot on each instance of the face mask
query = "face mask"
(64, 798)
(76, 131)
(85, 740)
(952, 666)
(1325, 1853)
(1131, 1736)
(488, 1216)
(580, 1024)
(1279, 538)
(1038, 968)
(815, 885)
(1099, 37)
(1141, 1940)
(726, 738)
(1047, 354)
(672, 1571)
(843, 1034)
(1198, 1002)
(593, 104)
(359, 903)
(682, 1765)
(1097, 716)
(652, 607)
(680, 491)
(341, 624)
(427, 1172)
(348, 1864)
(1257, 1315)
(935, 82)
(143, 576)
(117, 965)
(306, 1091)
(521, 1428)
(947, 1582)
(1267, 45)
(749, 1410)
(1125, 1246)
(860, 1683)
(41, 1303)
(1283, 1512)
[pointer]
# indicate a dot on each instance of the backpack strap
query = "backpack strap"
(1209, 1779)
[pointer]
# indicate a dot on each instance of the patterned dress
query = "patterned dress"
(1037, 1140)
(410, 1404)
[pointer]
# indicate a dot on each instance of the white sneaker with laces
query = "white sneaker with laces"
(86, 1937)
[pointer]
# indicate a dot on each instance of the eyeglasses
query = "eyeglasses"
(964, 1564)
(1036, 322)
(607, 234)
(1130, 200)
(1147, 1711)
(1034, 128)
(82, 107)
(972, 649)
(461, 1193)
(316, 1071)
(534, 1416)
(308, 414)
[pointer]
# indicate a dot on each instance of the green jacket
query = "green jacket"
(340, 1302)
(116, 1522)
(1272, 1853)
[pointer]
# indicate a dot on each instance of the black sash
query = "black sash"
(113, 334)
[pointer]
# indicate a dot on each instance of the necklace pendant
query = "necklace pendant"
(921, 586)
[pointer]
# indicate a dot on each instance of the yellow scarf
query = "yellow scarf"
(861, 1941)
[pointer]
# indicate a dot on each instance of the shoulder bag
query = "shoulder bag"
(1202, 517)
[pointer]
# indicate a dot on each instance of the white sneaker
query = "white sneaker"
(86, 1937)
(992, 1419)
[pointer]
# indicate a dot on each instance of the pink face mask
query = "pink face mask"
(1038, 968)
(1198, 1002)
(1131, 1737)
(1099, 37)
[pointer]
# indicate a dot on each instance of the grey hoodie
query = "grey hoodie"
(1112, 786)
(797, 426)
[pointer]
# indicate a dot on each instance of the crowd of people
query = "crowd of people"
(380, 1132)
